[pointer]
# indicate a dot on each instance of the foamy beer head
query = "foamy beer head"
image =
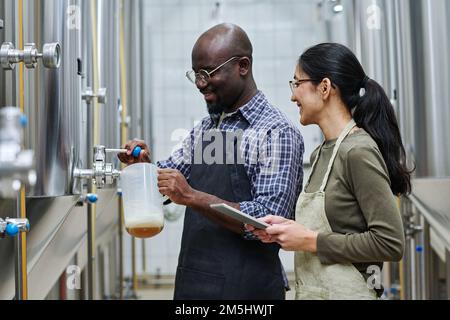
(144, 227)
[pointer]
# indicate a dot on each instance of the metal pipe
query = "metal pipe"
(133, 266)
(447, 271)
(401, 266)
(124, 126)
(123, 78)
(18, 264)
(144, 264)
(101, 271)
(120, 235)
(90, 207)
(413, 268)
(21, 265)
(428, 261)
(117, 150)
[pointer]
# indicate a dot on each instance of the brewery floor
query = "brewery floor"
(149, 289)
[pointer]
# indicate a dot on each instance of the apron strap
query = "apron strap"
(341, 138)
(314, 164)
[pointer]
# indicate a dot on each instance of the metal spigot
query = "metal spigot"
(102, 172)
(9, 56)
(11, 227)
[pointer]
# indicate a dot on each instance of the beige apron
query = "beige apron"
(315, 281)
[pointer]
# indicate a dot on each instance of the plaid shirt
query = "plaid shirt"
(274, 167)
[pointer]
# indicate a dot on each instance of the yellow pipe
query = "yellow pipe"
(23, 213)
(123, 79)
(95, 138)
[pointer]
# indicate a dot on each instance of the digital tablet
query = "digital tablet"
(239, 215)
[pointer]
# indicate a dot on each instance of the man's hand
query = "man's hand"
(174, 185)
(128, 159)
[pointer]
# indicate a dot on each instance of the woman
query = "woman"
(347, 220)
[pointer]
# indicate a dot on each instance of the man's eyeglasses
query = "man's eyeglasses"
(294, 84)
(203, 75)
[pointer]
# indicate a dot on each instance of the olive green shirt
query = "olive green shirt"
(359, 204)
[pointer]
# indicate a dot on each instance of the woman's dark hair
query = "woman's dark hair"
(372, 110)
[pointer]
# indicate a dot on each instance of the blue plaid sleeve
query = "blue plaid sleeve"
(276, 184)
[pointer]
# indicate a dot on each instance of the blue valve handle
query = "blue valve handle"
(136, 152)
(23, 121)
(11, 229)
(92, 198)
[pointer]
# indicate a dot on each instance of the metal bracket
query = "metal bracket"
(412, 229)
(88, 95)
(50, 55)
(1, 24)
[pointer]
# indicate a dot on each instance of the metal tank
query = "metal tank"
(109, 71)
(52, 98)
(63, 137)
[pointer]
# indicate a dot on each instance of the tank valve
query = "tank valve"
(102, 172)
(9, 56)
(87, 198)
(11, 227)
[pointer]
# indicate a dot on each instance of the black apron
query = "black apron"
(215, 263)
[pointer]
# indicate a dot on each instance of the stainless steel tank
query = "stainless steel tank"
(134, 68)
(53, 98)
(58, 134)
(435, 83)
(109, 71)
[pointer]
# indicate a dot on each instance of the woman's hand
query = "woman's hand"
(262, 234)
(290, 235)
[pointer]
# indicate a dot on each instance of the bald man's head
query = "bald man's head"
(224, 40)
(223, 56)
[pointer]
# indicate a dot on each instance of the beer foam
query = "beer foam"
(153, 221)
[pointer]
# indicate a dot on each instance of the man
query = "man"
(258, 171)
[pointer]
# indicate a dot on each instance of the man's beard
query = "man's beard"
(215, 111)
(215, 108)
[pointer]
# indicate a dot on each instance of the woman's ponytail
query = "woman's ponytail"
(375, 114)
